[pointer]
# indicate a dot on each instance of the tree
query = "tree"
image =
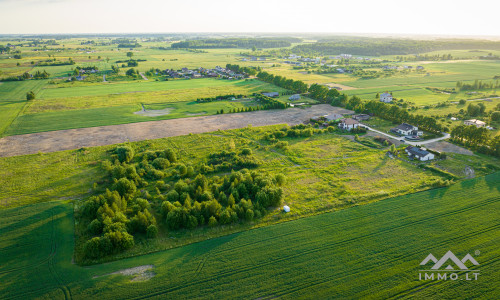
(130, 54)
(254, 48)
(131, 72)
(30, 95)
(152, 231)
(212, 222)
(495, 116)
(125, 153)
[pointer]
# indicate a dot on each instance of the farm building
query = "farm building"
(475, 122)
(361, 117)
(420, 154)
(348, 124)
(407, 130)
(386, 97)
(333, 117)
(294, 97)
(272, 94)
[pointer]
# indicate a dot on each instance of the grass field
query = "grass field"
(110, 104)
(13, 100)
(370, 251)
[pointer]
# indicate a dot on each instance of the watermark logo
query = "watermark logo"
(449, 267)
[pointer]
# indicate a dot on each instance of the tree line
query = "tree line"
(237, 43)
(290, 84)
(477, 85)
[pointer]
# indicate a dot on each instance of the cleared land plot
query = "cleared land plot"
(354, 253)
(106, 135)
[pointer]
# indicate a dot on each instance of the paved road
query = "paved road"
(107, 135)
(446, 136)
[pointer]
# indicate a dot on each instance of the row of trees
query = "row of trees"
(244, 70)
(477, 85)
(290, 84)
(237, 43)
(26, 76)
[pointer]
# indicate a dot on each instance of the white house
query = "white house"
(420, 154)
(386, 97)
(475, 122)
(348, 124)
(294, 97)
(407, 130)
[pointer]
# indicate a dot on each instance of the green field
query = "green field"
(354, 253)
(110, 104)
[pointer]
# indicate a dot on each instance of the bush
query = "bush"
(30, 95)
(125, 187)
(212, 222)
(152, 231)
(125, 154)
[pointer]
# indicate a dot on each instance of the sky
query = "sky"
(430, 17)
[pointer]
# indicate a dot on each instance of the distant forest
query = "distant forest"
(376, 47)
(237, 43)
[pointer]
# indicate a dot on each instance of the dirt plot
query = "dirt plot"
(443, 146)
(106, 135)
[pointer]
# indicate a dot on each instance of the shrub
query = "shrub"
(152, 231)
(212, 222)
(125, 154)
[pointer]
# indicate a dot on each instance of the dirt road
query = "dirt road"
(106, 135)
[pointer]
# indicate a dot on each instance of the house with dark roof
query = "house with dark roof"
(348, 124)
(407, 130)
(418, 153)
(271, 94)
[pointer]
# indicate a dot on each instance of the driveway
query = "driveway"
(419, 143)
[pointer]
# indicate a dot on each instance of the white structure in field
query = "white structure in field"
(286, 208)
(386, 97)
(475, 122)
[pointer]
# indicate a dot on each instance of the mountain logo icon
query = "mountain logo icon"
(449, 259)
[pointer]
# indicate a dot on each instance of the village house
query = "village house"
(348, 124)
(407, 130)
(294, 97)
(418, 153)
(475, 122)
(386, 97)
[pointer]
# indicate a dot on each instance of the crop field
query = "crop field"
(340, 254)
(13, 100)
(111, 104)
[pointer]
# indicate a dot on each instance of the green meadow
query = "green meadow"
(110, 104)
(339, 254)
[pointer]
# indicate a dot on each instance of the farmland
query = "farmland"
(130, 169)
(339, 254)
(110, 104)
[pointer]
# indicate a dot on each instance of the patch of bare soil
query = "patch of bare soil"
(140, 273)
(343, 87)
(443, 146)
(154, 113)
(114, 134)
